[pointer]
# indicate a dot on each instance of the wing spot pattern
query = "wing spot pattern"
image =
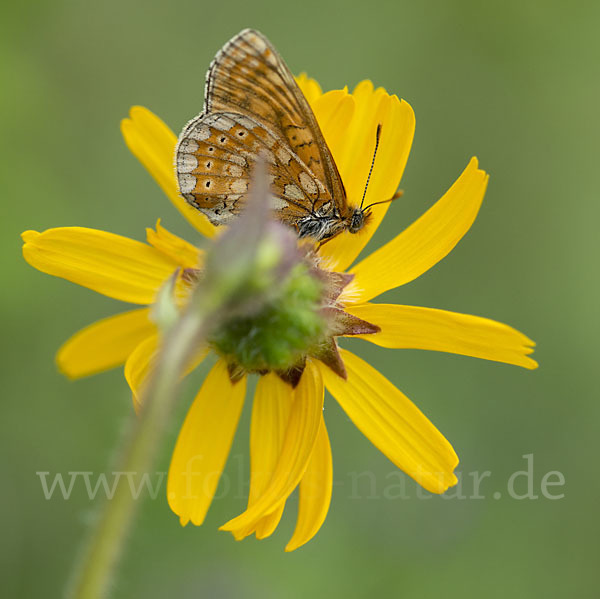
(283, 155)
(308, 183)
(188, 145)
(293, 192)
(186, 163)
(187, 182)
(239, 186)
(200, 133)
(234, 170)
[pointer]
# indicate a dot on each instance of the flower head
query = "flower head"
(289, 445)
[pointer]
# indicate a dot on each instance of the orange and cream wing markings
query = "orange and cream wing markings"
(254, 107)
(215, 161)
(248, 76)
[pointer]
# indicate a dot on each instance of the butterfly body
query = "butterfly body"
(254, 110)
(327, 222)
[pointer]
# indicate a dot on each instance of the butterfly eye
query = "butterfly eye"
(208, 184)
(222, 139)
(241, 134)
(211, 149)
(208, 164)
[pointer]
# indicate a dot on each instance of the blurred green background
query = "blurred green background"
(515, 83)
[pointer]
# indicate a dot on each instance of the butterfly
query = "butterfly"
(254, 107)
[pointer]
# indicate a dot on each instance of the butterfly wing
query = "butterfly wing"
(215, 159)
(249, 78)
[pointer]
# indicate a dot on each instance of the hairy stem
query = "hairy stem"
(142, 441)
(240, 272)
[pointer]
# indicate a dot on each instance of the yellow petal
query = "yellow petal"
(270, 414)
(174, 247)
(352, 148)
(425, 242)
(439, 330)
(334, 110)
(153, 144)
(115, 266)
(393, 424)
(300, 436)
(310, 88)
(203, 445)
(315, 492)
(104, 344)
(138, 365)
(142, 360)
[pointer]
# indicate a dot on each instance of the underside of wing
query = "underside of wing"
(216, 154)
(249, 77)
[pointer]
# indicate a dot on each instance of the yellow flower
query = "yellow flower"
(289, 446)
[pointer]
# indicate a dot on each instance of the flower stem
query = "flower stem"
(240, 271)
(93, 577)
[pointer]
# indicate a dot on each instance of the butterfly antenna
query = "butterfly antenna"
(397, 195)
(377, 136)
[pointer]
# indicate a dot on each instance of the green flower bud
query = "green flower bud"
(281, 333)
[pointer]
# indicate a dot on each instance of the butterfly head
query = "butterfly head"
(358, 219)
